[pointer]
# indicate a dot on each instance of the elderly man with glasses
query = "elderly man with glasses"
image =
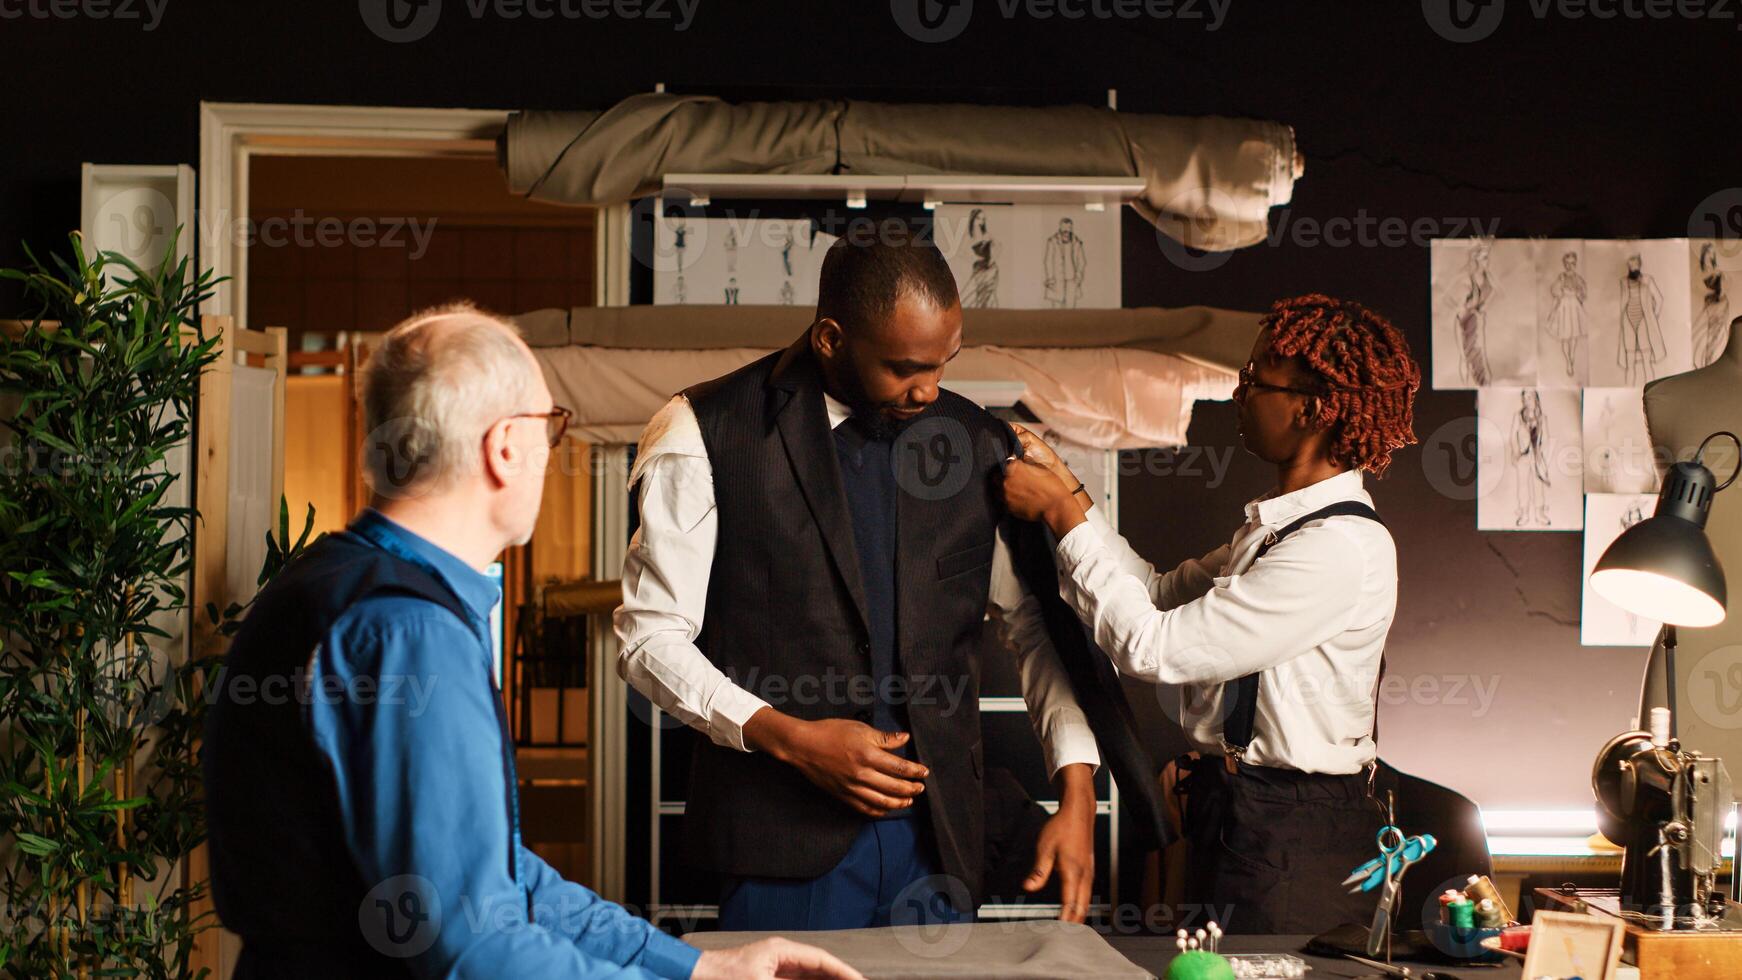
(359, 773)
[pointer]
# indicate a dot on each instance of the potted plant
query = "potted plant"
(99, 718)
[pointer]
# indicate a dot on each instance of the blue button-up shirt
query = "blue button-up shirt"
(417, 749)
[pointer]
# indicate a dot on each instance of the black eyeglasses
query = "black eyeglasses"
(1249, 383)
(556, 422)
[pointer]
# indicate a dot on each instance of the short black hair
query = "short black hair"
(862, 279)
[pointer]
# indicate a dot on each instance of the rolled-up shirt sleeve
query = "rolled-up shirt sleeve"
(1301, 594)
(402, 705)
(665, 584)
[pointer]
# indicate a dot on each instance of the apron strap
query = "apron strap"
(1237, 731)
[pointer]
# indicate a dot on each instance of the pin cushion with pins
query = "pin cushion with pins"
(1197, 958)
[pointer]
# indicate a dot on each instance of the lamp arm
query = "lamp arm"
(1700, 453)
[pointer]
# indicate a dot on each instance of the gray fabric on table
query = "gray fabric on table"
(1038, 948)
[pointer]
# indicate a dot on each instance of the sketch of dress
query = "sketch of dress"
(1472, 318)
(677, 288)
(1641, 344)
(786, 243)
(786, 293)
(1530, 460)
(981, 291)
(732, 291)
(678, 232)
(1064, 267)
(1712, 325)
(731, 246)
(1566, 318)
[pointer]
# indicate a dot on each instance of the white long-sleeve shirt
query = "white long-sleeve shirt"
(1311, 618)
(665, 593)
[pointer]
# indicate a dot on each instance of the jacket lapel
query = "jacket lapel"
(803, 422)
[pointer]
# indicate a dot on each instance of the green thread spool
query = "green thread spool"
(1463, 914)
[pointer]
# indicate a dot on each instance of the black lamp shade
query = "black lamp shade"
(1664, 568)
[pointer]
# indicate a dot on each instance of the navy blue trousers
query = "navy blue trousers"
(889, 877)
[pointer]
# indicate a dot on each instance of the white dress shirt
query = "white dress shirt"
(1311, 617)
(665, 593)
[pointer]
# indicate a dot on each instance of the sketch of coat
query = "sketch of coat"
(1064, 267)
(1529, 432)
(1641, 336)
(1566, 319)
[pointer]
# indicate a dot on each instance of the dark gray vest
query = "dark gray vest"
(788, 618)
(282, 876)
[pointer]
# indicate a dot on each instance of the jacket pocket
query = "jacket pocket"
(965, 560)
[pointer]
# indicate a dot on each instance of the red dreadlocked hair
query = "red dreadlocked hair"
(1363, 365)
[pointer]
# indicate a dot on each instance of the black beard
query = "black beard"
(876, 425)
(1633, 273)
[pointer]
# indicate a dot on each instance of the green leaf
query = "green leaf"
(33, 844)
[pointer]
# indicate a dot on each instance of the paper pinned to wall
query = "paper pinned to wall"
(1602, 623)
(1617, 445)
(1715, 267)
(1484, 312)
(1570, 313)
(1066, 257)
(978, 240)
(737, 261)
(1641, 311)
(1031, 256)
(1532, 436)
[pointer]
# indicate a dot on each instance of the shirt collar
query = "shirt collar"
(838, 412)
(478, 591)
(1277, 510)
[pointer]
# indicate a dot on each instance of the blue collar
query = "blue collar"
(477, 591)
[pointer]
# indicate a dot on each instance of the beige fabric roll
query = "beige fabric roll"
(1213, 337)
(1102, 397)
(1208, 181)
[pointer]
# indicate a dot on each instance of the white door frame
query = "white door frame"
(231, 133)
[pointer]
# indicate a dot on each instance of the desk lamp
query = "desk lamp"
(1664, 806)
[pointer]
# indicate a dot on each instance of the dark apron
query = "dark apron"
(1270, 847)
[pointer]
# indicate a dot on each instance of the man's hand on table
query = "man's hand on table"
(1067, 844)
(847, 759)
(768, 959)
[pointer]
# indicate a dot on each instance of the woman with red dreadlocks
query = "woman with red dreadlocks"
(1276, 639)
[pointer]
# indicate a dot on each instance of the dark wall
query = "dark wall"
(1553, 125)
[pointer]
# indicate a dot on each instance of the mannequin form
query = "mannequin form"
(1680, 411)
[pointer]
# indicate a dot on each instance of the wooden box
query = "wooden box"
(1715, 955)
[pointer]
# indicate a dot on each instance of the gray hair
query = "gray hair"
(435, 384)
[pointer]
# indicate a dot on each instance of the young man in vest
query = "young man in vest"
(815, 559)
(359, 776)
